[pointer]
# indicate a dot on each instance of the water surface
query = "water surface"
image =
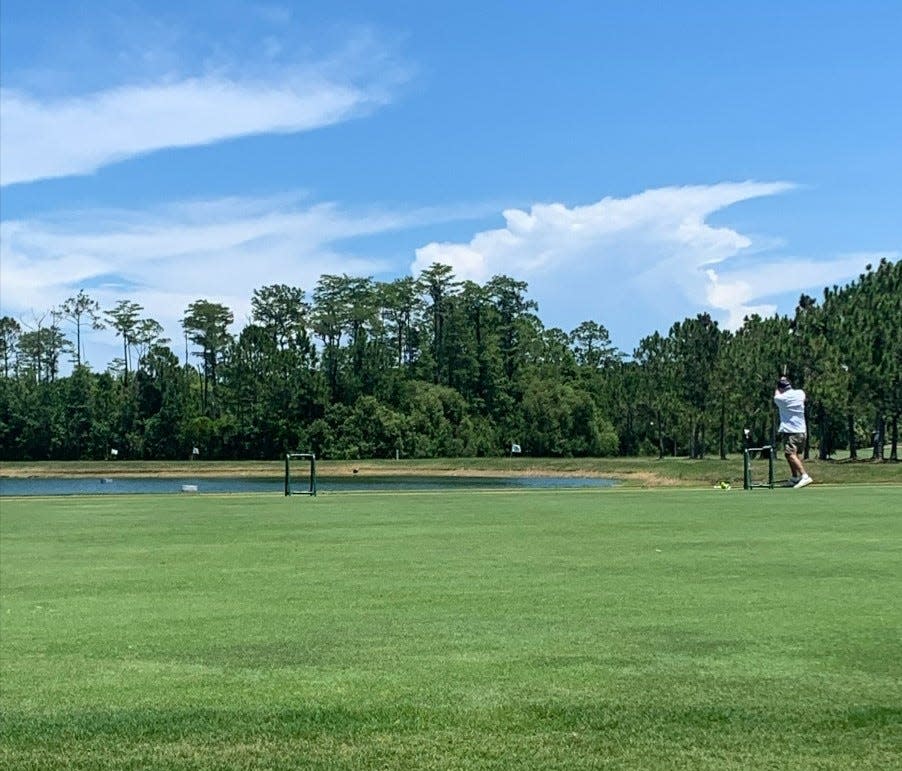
(276, 485)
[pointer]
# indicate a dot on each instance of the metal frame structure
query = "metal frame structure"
(311, 489)
(747, 483)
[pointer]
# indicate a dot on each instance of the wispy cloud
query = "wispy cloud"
(635, 264)
(168, 257)
(229, 94)
(653, 256)
(39, 140)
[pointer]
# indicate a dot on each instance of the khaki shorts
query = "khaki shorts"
(794, 444)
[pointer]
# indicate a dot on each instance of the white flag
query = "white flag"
(515, 448)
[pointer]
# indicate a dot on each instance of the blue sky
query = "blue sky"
(634, 162)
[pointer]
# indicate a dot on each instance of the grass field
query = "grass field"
(671, 629)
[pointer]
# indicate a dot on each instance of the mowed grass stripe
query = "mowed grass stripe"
(570, 629)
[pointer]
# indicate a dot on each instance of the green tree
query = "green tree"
(256, 394)
(696, 344)
(562, 420)
(81, 309)
(10, 331)
(872, 304)
(276, 371)
(592, 346)
(364, 330)
(283, 312)
(555, 358)
(471, 354)
(163, 405)
(516, 326)
(401, 305)
(438, 422)
(124, 318)
(437, 283)
(39, 351)
(331, 320)
(207, 324)
(657, 388)
(83, 425)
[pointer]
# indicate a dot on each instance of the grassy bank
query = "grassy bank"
(673, 629)
(633, 472)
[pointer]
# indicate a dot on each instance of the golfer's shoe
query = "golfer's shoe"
(805, 480)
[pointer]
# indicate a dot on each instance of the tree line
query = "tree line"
(430, 366)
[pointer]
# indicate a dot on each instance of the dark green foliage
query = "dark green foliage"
(432, 366)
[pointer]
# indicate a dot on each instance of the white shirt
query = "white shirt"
(791, 404)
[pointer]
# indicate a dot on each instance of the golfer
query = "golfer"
(793, 430)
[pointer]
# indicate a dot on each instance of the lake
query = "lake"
(276, 485)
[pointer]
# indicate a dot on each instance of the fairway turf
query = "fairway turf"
(680, 629)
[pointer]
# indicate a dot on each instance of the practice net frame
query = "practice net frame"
(767, 452)
(311, 481)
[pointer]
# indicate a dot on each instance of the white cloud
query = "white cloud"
(165, 259)
(638, 263)
(736, 290)
(44, 139)
(666, 223)
(635, 264)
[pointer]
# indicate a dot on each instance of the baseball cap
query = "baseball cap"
(784, 383)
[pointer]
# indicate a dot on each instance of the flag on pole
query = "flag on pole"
(515, 448)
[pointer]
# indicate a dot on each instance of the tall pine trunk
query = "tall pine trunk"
(894, 447)
(853, 446)
(660, 434)
(825, 447)
(879, 437)
(723, 431)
